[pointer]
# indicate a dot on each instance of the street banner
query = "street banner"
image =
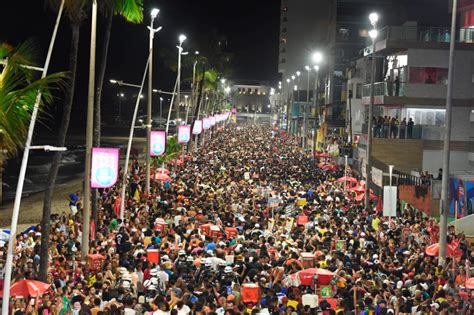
(206, 123)
(157, 143)
(234, 110)
(213, 120)
(377, 176)
(184, 133)
(197, 129)
(104, 170)
(390, 201)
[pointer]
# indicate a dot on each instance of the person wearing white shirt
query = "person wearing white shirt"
(182, 308)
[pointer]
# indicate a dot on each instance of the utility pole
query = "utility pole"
(154, 13)
(316, 109)
(21, 175)
(444, 205)
(373, 34)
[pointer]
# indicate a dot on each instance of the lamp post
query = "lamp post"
(154, 13)
(181, 38)
(21, 176)
(345, 172)
(186, 105)
(288, 106)
(444, 206)
(373, 35)
(193, 89)
(161, 107)
(120, 95)
(305, 124)
(317, 59)
(129, 145)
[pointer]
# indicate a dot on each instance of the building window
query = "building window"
(359, 90)
(428, 75)
(283, 50)
(283, 30)
(344, 34)
(283, 40)
(283, 60)
(285, 19)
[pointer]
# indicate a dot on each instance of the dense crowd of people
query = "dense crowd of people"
(228, 234)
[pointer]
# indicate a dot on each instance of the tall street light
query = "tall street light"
(288, 106)
(22, 174)
(305, 127)
(444, 206)
(298, 128)
(161, 107)
(181, 39)
(317, 59)
(153, 14)
(193, 88)
(373, 17)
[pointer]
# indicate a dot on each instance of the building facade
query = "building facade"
(411, 85)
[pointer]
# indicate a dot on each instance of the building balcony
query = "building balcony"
(393, 39)
(426, 34)
(420, 94)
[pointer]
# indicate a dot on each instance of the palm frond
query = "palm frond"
(18, 93)
(130, 10)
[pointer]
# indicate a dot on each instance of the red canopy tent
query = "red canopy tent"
(162, 177)
(26, 288)
(470, 283)
(349, 179)
(451, 250)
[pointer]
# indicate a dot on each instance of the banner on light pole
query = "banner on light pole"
(390, 201)
(206, 123)
(104, 168)
(184, 133)
(157, 143)
(213, 120)
(197, 129)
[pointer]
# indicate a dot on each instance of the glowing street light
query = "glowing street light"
(317, 57)
(374, 18)
(182, 38)
(154, 13)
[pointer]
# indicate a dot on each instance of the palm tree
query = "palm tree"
(131, 11)
(18, 91)
(75, 11)
(173, 149)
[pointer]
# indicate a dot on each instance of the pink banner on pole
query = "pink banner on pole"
(206, 123)
(184, 133)
(234, 110)
(157, 143)
(197, 129)
(213, 120)
(104, 170)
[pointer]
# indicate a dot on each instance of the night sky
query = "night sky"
(250, 26)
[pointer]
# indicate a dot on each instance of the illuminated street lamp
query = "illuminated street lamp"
(373, 17)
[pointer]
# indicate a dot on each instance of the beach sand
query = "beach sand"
(31, 208)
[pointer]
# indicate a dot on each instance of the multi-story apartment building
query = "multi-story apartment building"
(411, 84)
